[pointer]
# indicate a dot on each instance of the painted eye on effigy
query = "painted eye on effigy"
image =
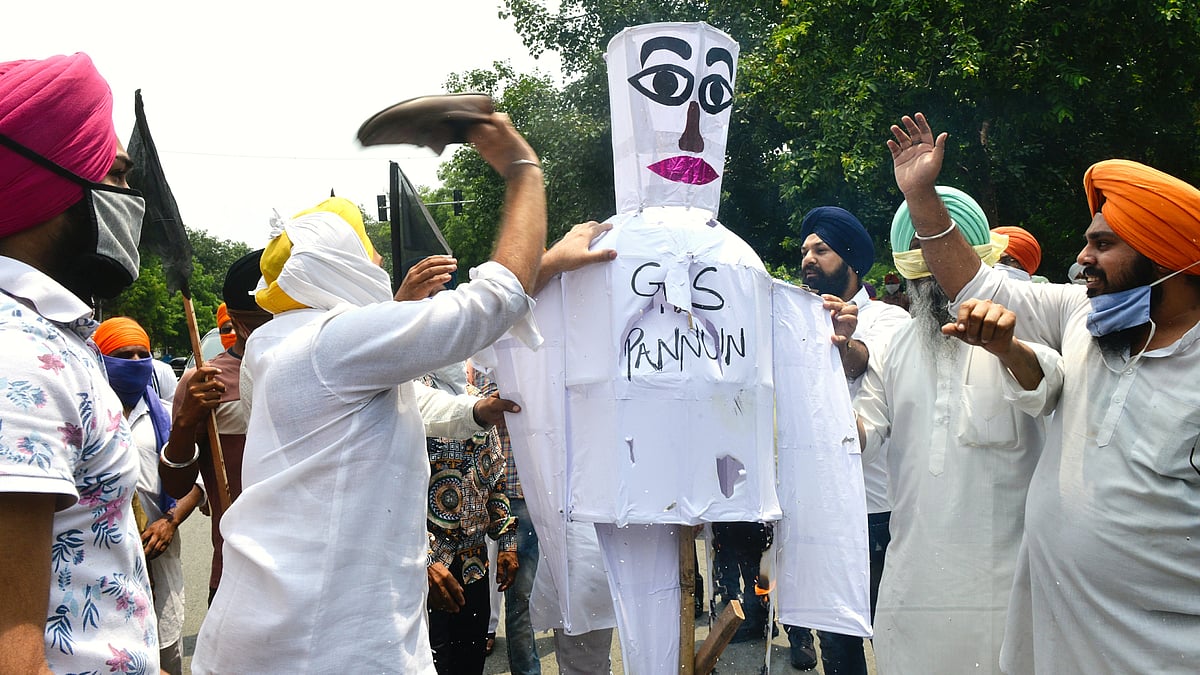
(665, 83)
(715, 94)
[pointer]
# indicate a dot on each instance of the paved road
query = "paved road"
(739, 659)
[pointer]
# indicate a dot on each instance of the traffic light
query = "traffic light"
(381, 202)
(458, 202)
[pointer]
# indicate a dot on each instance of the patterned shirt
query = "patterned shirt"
(467, 500)
(62, 432)
(487, 388)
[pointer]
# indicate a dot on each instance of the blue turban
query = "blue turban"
(842, 232)
(964, 211)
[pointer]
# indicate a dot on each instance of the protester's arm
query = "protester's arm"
(872, 410)
(502, 525)
(854, 352)
(26, 528)
(445, 593)
(990, 325)
(425, 277)
(201, 395)
(573, 251)
(917, 161)
(522, 236)
(158, 535)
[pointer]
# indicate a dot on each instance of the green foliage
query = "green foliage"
(1032, 92)
(571, 139)
(162, 315)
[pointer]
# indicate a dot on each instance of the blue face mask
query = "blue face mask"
(129, 378)
(1115, 312)
(1130, 308)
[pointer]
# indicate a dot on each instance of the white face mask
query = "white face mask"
(891, 288)
(117, 215)
(1013, 272)
(116, 223)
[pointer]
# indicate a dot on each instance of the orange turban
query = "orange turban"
(227, 339)
(118, 332)
(1155, 213)
(1022, 246)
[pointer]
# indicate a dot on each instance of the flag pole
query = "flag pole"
(164, 234)
(214, 439)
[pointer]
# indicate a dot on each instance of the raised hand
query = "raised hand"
(916, 154)
(502, 146)
(425, 277)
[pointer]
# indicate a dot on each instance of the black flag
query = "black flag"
(414, 234)
(162, 228)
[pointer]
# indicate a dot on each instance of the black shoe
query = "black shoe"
(800, 650)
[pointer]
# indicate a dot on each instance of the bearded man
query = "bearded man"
(1107, 575)
(836, 253)
(965, 427)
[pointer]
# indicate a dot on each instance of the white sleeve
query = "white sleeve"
(446, 415)
(1042, 400)
(368, 348)
(871, 407)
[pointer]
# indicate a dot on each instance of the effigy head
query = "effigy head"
(670, 90)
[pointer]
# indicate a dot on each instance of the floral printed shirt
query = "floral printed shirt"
(62, 432)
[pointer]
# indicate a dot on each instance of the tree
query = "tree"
(572, 143)
(161, 315)
(1028, 102)
(1031, 92)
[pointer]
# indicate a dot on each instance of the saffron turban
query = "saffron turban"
(1155, 213)
(222, 315)
(61, 108)
(1022, 246)
(843, 233)
(118, 332)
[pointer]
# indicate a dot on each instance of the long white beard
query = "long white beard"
(929, 308)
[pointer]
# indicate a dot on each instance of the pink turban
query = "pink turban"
(61, 108)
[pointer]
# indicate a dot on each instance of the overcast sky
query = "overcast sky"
(254, 104)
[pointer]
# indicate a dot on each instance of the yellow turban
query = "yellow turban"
(273, 298)
(1155, 213)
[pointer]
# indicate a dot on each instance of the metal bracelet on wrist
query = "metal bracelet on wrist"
(162, 456)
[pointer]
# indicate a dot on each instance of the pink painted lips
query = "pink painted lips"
(684, 169)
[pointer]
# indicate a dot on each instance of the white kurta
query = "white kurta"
(959, 463)
(821, 471)
(1108, 580)
(166, 570)
(325, 550)
(877, 322)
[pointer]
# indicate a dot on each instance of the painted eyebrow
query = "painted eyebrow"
(719, 54)
(673, 44)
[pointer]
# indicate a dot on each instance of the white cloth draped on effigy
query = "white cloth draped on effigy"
(654, 401)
